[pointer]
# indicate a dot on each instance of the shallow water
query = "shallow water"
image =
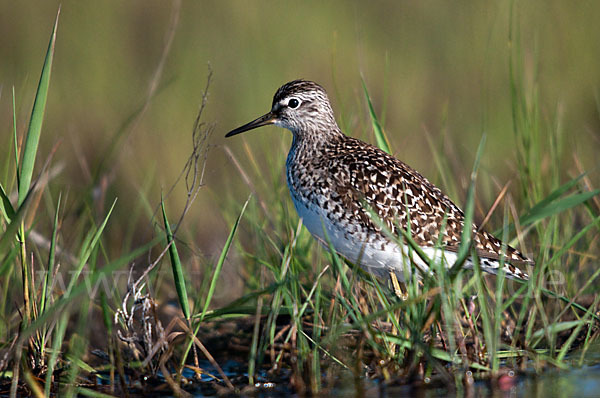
(579, 381)
(582, 382)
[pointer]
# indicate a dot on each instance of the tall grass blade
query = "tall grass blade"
(56, 344)
(556, 207)
(571, 339)
(83, 287)
(51, 257)
(219, 265)
(13, 228)
(215, 277)
(380, 137)
(557, 193)
(37, 116)
(467, 232)
(5, 206)
(574, 240)
(15, 140)
(557, 328)
(77, 349)
(549, 206)
(88, 248)
(178, 277)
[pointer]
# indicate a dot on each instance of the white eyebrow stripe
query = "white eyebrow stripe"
(286, 101)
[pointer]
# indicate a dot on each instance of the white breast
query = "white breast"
(378, 257)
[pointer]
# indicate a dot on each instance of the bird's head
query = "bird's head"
(300, 106)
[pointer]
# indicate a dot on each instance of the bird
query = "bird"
(357, 198)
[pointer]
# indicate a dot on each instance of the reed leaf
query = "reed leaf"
(178, 276)
(382, 141)
(35, 122)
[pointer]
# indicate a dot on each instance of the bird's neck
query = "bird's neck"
(311, 149)
(316, 140)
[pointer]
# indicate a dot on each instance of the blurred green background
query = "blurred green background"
(434, 68)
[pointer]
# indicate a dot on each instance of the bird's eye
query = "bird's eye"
(294, 103)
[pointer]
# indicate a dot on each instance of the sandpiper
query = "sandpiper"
(340, 185)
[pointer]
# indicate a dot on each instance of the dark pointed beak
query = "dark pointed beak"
(264, 120)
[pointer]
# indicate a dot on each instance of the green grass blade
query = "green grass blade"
(571, 339)
(51, 257)
(380, 137)
(178, 277)
(550, 205)
(13, 228)
(219, 265)
(557, 207)
(56, 344)
(215, 277)
(35, 122)
(78, 345)
(81, 288)
(467, 232)
(6, 265)
(318, 346)
(558, 192)
(571, 302)
(106, 313)
(5, 206)
(446, 357)
(15, 140)
(556, 328)
(88, 249)
(573, 240)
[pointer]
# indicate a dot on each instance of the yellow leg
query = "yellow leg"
(398, 287)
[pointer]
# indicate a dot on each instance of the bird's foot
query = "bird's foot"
(399, 288)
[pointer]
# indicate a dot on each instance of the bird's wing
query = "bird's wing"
(401, 197)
